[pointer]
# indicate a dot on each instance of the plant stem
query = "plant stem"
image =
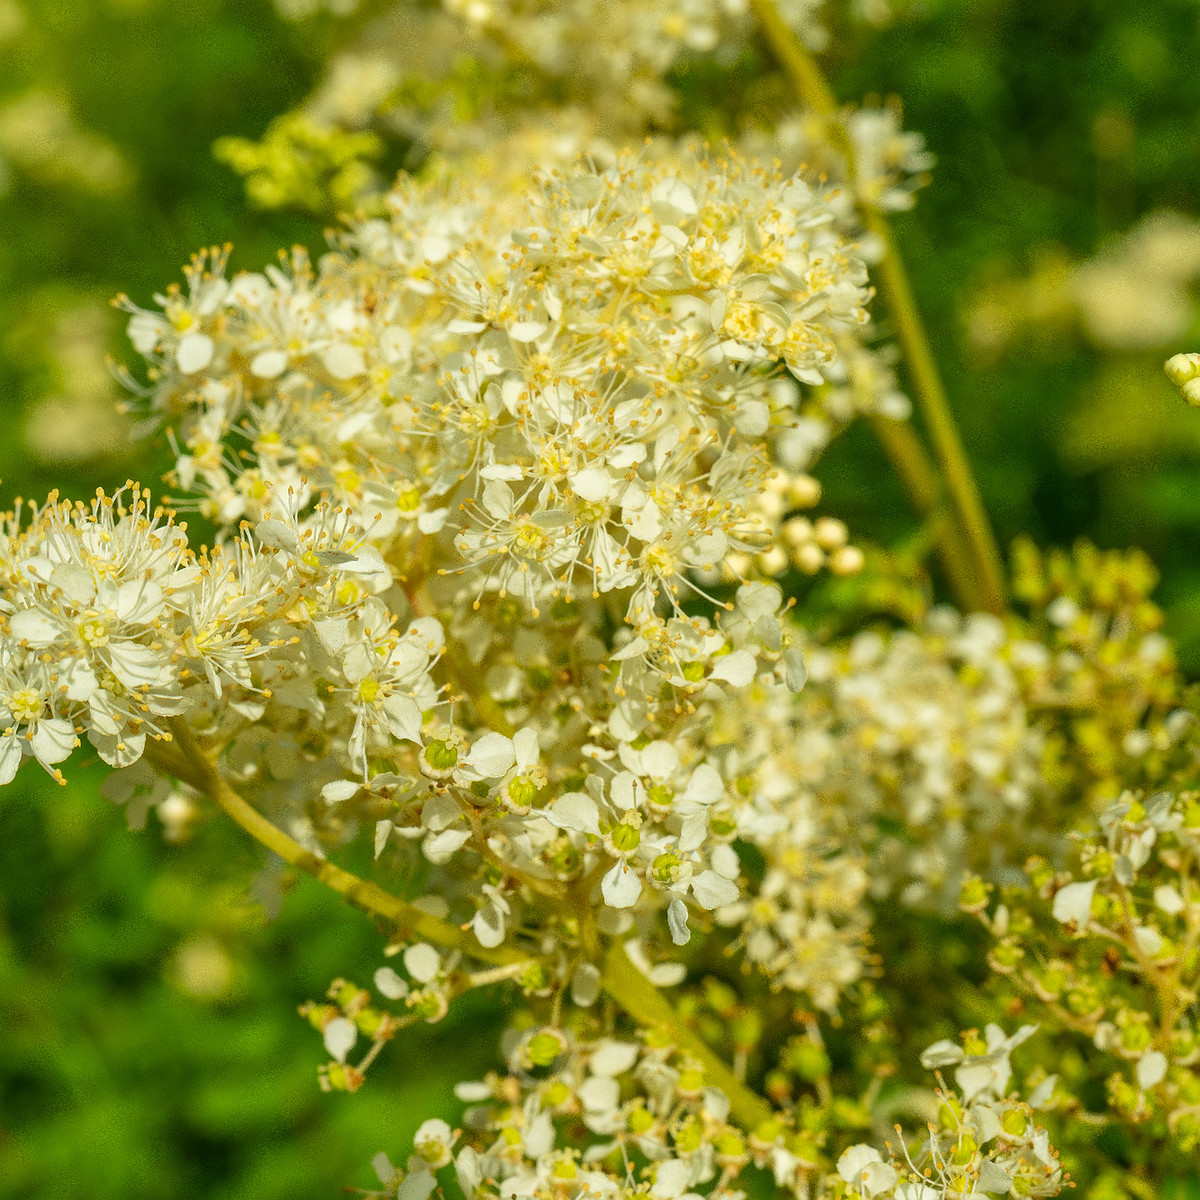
(921, 484)
(185, 759)
(647, 1005)
(812, 89)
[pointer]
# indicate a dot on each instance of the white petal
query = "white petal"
(276, 534)
(383, 830)
(36, 628)
(526, 331)
(10, 758)
(575, 810)
(712, 890)
(677, 918)
(795, 670)
(621, 887)
(498, 499)
(269, 364)
(144, 330)
(855, 1161)
(422, 962)
(667, 974)
(339, 789)
(1044, 1090)
(139, 600)
(585, 985)
(502, 471)
(1073, 903)
(389, 984)
(340, 1036)
(660, 759)
(736, 669)
(725, 861)
(1151, 1068)
(942, 1054)
(525, 743)
(134, 665)
(1168, 899)
(438, 847)
(670, 1179)
(417, 1186)
(993, 1177)
(194, 353)
(384, 1170)
(705, 786)
(492, 755)
(403, 718)
(53, 740)
(488, 926)
(612, 1057)
(344, 361)
(1149, 941)
(598, 1093)
(592, 484)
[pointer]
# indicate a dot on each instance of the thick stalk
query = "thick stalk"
(930, 394)
(647, 1005)
(185, 759)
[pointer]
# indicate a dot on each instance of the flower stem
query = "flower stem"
(984, 564)
(464, 674)
(647, 1005)
(924, 490)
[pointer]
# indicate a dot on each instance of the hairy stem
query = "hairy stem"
(985, 566)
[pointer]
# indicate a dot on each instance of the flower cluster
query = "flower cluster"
(984, 1141)
(112, 625)
(1109, 951)
(512, 501)
(580, 400)
(580, 1112)
(613, 59)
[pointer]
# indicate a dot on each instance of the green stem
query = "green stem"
(647, 1005)
(812, 89)
(464, 674)
(921, 483)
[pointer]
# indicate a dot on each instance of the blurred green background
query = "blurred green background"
(149, 1045)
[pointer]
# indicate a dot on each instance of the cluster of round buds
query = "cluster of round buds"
(1184, 372)
(793, 540)
(1110, 950)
